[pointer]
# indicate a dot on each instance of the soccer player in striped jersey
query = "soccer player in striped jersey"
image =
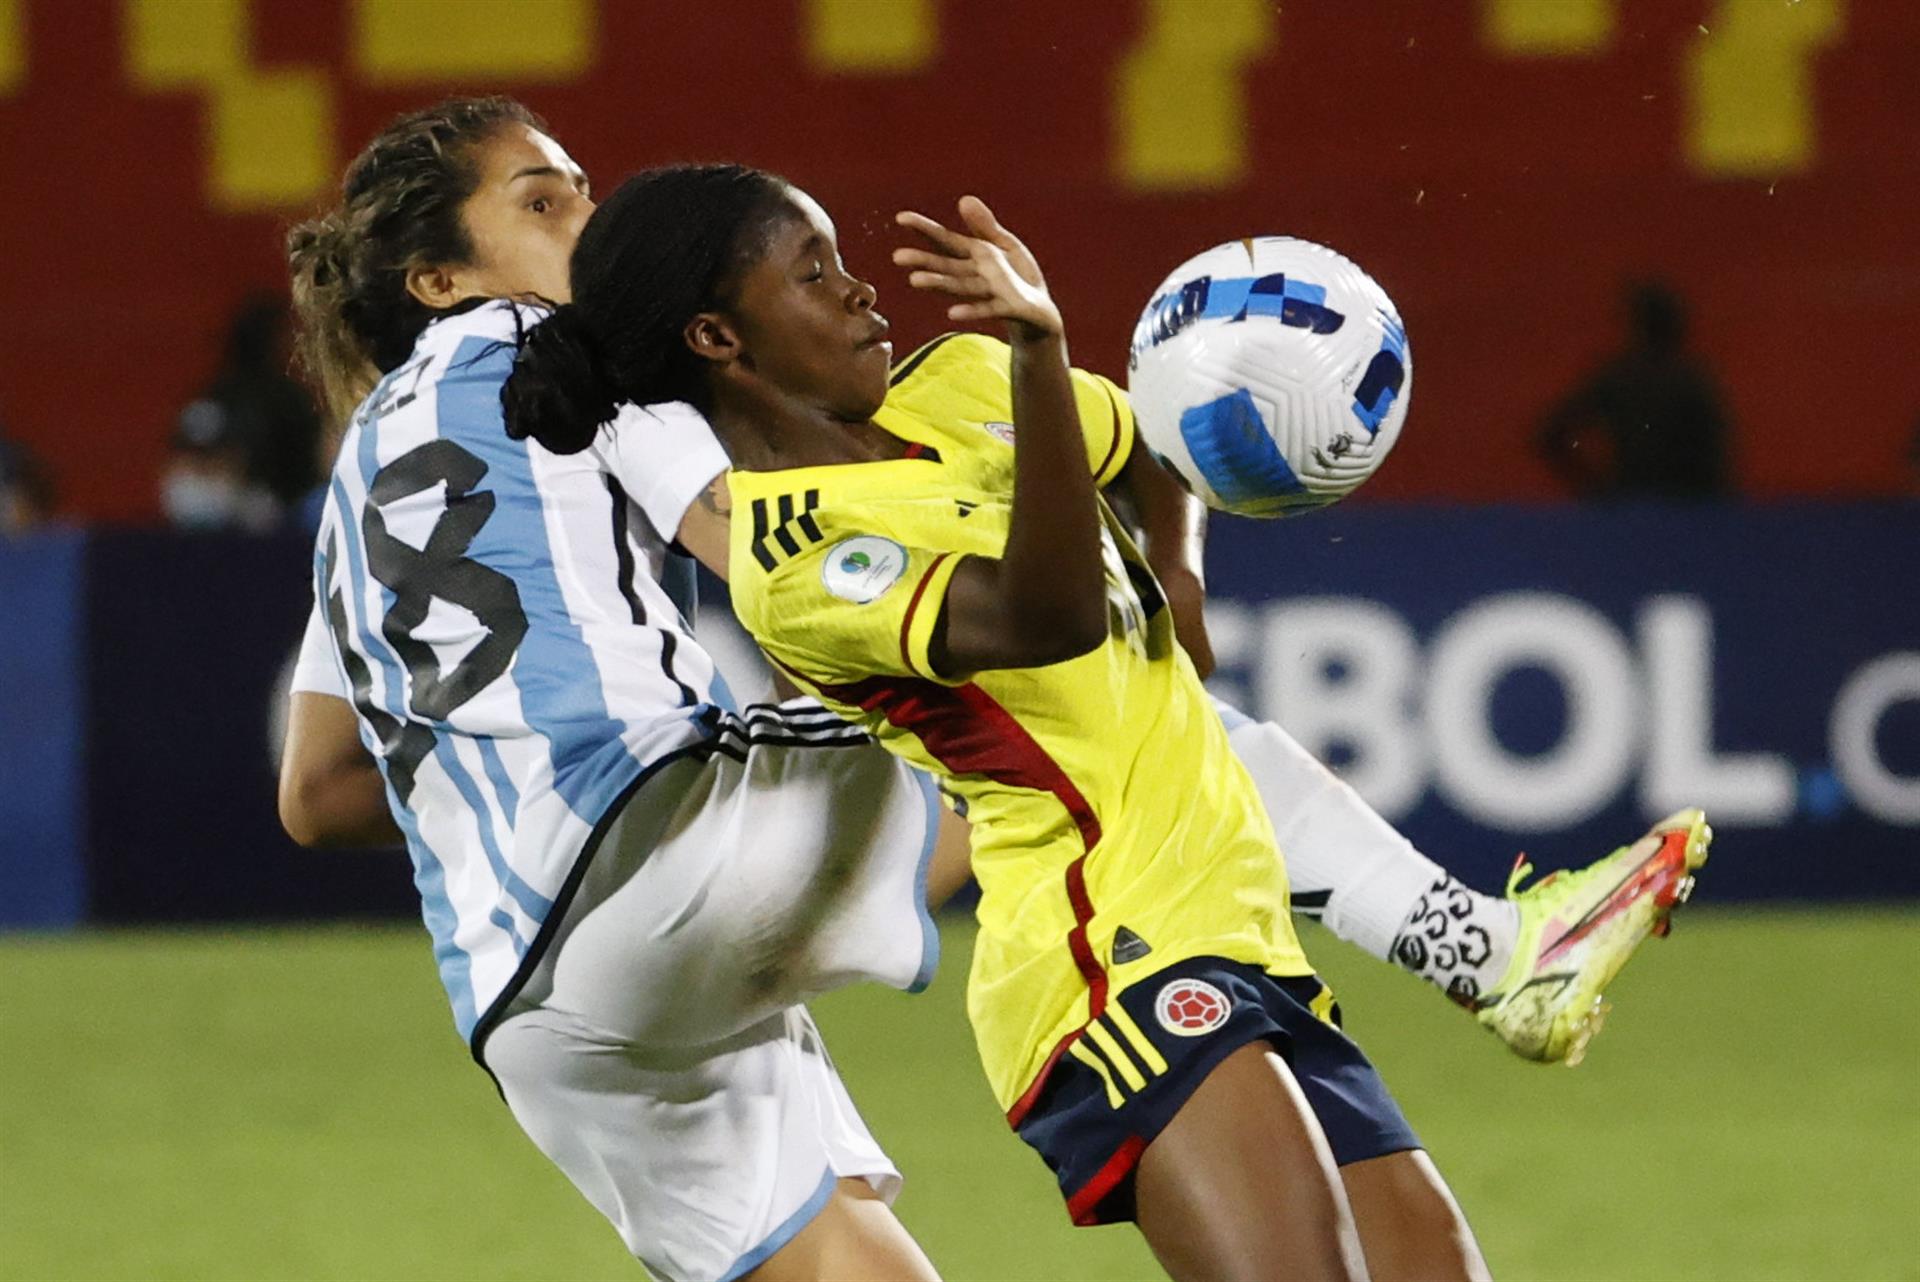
(1141, 1006)
(630, 887)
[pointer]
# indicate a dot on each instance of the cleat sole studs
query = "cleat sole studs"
(1585, 1030)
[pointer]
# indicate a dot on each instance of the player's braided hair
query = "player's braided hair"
(400, 208)
(669, 244)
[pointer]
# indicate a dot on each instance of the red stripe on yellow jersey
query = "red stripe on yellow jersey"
(1102, 791)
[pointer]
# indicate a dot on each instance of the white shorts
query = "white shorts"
(658, 1052)
(706, 1160)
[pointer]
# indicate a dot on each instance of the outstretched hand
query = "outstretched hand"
(986, 267)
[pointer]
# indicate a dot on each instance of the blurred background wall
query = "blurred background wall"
(1502, 166)
(1494, 667)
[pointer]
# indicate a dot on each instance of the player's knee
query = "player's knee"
(1435, 1246)
(1409, 1222)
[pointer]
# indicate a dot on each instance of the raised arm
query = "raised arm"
(1044, 600)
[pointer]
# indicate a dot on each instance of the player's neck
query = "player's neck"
(773, 432)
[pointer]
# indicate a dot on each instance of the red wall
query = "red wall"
(1501, 200)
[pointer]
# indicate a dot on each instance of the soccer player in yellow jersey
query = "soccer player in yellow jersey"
(1101, 789)
(1143, 1010)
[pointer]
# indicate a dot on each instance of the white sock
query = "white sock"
(1458, 939)
(1357, 874)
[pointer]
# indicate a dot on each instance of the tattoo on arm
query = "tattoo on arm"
(716, 498)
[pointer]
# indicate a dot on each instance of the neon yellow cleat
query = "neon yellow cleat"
(1578, 928)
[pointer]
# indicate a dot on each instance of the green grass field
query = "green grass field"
(294, 1104)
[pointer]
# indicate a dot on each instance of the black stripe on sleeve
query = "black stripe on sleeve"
(623, 551)
(761, 553)
(623, 556)
(781, 534)
(808, 526)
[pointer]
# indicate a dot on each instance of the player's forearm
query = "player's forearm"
(1052, 563)
(331, 791)
(1170, 526)
(1169, 523)
(345, 808)
(1044, 600)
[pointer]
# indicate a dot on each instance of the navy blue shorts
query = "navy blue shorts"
(1109, 1096)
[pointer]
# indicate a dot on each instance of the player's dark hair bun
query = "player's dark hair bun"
(667, 245)
(560, 391)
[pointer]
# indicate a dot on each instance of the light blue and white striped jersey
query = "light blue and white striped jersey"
(496, 611)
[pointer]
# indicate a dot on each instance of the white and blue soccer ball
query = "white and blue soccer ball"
(1271, 374)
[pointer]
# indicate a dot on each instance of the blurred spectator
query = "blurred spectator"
(26, 489)
(266, 414)
(205, 485)
(1648, 423)
(306, 511)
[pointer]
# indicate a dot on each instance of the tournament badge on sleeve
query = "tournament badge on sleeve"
(861, 569)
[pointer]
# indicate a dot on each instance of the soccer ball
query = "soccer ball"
(1271, 374)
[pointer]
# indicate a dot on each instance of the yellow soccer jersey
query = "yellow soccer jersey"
(1102, 792)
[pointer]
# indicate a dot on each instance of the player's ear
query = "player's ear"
(711, 338)
(435, 287)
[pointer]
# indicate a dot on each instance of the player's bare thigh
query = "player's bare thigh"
(1241, 1184)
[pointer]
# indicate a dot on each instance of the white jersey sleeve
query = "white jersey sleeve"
(663, 456)
(315, 670)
